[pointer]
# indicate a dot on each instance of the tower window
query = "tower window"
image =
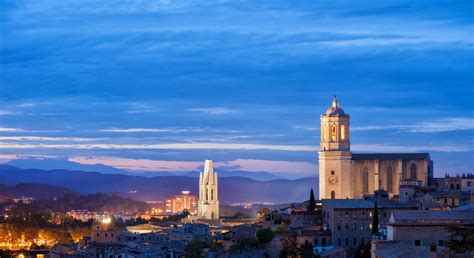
(333, 195)
(333, 133)
(343, 132)
(332, 173)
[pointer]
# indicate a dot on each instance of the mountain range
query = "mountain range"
(231, 189)
(62, 163)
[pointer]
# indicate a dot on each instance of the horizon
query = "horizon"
(157, 86)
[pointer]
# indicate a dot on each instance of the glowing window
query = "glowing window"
(333, 133)
(343, 132)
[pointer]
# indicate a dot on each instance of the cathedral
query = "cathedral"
(208, 204)
(343, 174)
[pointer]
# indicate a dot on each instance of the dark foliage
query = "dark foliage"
(375, 221)
(312, 203)
(95, 202)
(264, 236)
(461, 239)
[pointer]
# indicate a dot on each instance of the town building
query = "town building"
(464, 182)
(208, 204)
(431, 197)
(421, 233)
(182, 202)
(105, 232)
(350, 220)
(343, 174)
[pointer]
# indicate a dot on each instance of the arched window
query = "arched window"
(212, 194)
(333, 133)
(413, 171)
(389, 179)
(207, 194)
(365, 179)
(343, 132)
(333, 195)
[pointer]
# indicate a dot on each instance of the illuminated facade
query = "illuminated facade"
(343, 174)
(208, 205)
(184, 201)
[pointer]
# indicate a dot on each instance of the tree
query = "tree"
(264, 236)
(194, 249)
(375, 220)
(363, 251)
(306, 250)
(312, 203)
(290, 248)
(461, 239)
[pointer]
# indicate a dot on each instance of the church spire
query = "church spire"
(335, 104)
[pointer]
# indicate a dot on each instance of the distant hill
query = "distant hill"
(62, 163)
(231, 189)
(35, 190)
(259, 176)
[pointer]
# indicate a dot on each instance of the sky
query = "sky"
(163, 85)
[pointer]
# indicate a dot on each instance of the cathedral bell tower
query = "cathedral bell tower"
(334, 154)
(208, 204)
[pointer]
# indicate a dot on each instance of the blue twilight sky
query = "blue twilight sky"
(162, 85)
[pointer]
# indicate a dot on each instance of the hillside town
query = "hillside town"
(370, 205)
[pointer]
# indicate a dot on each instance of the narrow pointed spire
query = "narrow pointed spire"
(335, 104)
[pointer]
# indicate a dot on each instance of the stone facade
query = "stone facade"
(415, 230)
(208, 205)
(343, 174)
(350, 220)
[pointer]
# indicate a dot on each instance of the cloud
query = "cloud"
(150, 130)
(6, 129)
(276, 166)
(214, 110)
(306, 128)
(441, 125)
(251, 165)
(9, 129)
(7, 113)
(234, 146)
(177, 146)
(55, 139)
(138, 164)
(8, 157)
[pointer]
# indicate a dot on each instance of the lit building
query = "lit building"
(208, 205)
(105, 232)
(182, 202)
(343, 174)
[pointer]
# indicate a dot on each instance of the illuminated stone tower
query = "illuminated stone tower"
(208, 205)
(334, 154)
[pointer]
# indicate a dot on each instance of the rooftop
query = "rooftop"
(364, 204)
(334, 110)
(432, 217)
